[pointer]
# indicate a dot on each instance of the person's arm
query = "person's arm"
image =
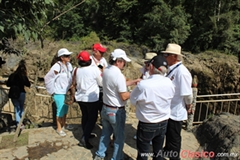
(188, 101)
(124, 95)
(132, 82)
(26, 82)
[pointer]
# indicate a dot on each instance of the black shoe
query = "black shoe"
(85, 144)
(88, 145)
(82, 143)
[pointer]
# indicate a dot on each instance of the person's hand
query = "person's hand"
(137, 81)
(189, 109)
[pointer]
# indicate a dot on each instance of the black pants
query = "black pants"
(100, 102)
(89, 117)
(173, 139)
(147, 132)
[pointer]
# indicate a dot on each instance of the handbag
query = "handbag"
(14, 92)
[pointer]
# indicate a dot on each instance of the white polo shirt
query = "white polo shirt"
(64, 77)
(182, 80)
(114, 82)
(88, 79)
(152, 98)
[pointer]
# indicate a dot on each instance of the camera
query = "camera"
(100, 66)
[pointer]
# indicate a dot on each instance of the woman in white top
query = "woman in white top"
(63, 69)
(88, 78)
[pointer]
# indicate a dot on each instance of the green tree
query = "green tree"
(214, 25)
(24, 17)
(161, 23)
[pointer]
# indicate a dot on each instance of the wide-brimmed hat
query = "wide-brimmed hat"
(149, 55)
(173, 49)
(1, 61)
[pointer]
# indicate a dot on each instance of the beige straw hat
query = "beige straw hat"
(173, 49)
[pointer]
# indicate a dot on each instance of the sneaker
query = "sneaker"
(68, 127)
(61, 133)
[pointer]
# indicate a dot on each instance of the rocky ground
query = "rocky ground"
(45, 144)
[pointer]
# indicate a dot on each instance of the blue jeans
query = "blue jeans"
(147, 132)
(19, 106)
(113, 122)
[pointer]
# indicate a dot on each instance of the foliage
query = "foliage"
(25, 17)
(197, 25)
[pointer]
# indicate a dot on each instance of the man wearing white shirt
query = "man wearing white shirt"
(152, 98)
(113, 113)
(99, 61)
(182, 101)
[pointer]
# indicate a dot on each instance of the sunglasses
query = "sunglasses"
(66, 56)
(166, 55)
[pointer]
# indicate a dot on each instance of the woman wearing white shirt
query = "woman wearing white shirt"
(63, 69)
(88, 78)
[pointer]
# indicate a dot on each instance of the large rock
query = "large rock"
(221, 134)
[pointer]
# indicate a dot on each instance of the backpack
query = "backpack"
(49, 80)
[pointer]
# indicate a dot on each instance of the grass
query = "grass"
(7, 141)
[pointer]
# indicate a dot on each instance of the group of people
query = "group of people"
(162, 97)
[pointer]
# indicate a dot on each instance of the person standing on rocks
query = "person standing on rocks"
(113, 113)
(63, 69)
(145, 70)
(182, 101)
(19, 79)
(152, 98)
(99, 61)
(87, 79)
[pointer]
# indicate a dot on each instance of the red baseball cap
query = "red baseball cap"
(83, 56)
(99, 47)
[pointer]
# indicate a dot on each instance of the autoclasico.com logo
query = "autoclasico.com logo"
(205, 154)
(190, 154)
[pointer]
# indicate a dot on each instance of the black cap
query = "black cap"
(159, 61)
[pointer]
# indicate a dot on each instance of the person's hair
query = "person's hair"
(163, 70)
(111, 61)
(55, 59)
(179, 58)
(21, 69)
(84, 63)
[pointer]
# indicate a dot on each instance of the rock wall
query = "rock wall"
(220, 134)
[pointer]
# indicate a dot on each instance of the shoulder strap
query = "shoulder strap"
(60, 66)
